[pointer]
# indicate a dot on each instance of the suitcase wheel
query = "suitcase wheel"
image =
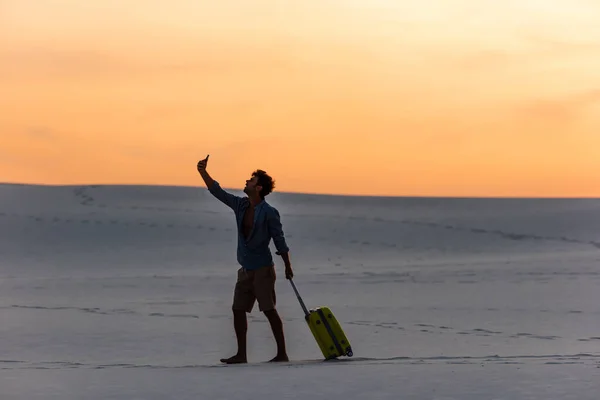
(349, 352)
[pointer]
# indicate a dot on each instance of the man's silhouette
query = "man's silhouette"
(258, 222)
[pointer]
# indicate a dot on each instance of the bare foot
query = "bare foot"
(280, 358)
(237, 359)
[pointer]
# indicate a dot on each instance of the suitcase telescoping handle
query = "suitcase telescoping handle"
(306, 313)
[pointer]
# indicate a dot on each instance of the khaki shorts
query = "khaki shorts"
(255, 285)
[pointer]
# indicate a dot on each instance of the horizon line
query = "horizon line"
(288, 192)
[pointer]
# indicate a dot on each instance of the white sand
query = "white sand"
(122, 292)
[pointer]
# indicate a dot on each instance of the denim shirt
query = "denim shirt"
(254, 252)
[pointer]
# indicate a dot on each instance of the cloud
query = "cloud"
(561, 111)
(560, 45)
(23, 148)
(52, 62)
(41, 133)
(76, 61)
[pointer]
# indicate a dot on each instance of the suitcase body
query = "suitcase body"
(328, 333)
(326, 329)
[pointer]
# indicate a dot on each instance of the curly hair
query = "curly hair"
(264, 180)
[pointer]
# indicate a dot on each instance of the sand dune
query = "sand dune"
(139, 278)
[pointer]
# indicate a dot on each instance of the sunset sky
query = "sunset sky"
(428, 98)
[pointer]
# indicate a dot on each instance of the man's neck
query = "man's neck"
(254, 200)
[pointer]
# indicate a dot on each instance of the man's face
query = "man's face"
(252, 186)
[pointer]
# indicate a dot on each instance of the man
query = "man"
(257, 223)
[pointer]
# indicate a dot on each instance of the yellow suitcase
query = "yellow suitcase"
(326, 329)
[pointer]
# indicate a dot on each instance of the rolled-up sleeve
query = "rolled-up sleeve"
(227, 198)
(276, 231)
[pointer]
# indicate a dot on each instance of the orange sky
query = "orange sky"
(433, 98)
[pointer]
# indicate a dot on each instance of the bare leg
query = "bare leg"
(277, 328)
(240, 324)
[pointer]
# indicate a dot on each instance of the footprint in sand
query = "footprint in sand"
(589, 339)
(545, 337)
(389, 325)
(360, 322)
(185, 316)
(485, 331)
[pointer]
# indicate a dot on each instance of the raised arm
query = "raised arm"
(215, 189)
